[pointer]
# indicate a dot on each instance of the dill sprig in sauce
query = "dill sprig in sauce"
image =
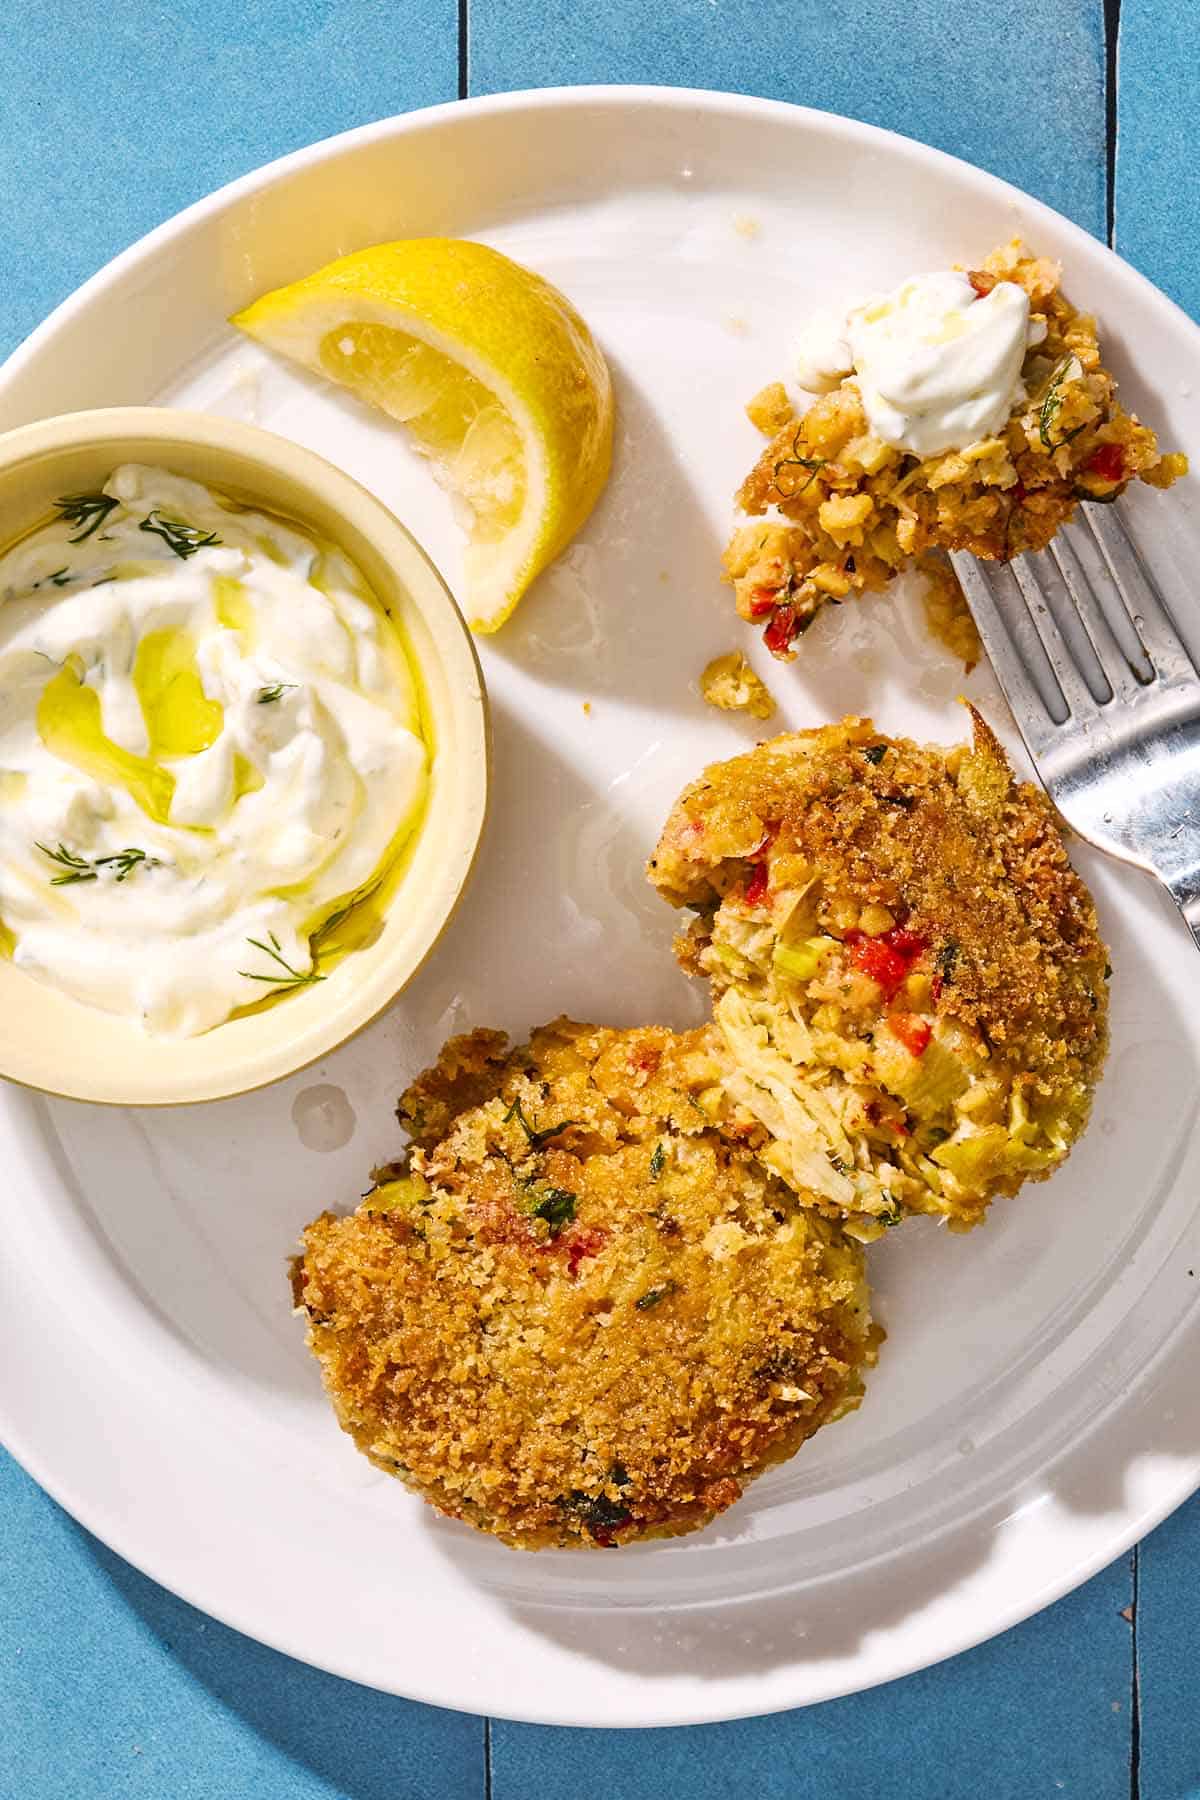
(290, 978)
(87, 510)
(121, 863)
(180, 537)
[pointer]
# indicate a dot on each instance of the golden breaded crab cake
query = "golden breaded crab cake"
(584, 1316)
(905, 967)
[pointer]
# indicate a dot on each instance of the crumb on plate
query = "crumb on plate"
(728, 682)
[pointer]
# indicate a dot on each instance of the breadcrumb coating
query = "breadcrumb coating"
(906, 968)
(585, 1316)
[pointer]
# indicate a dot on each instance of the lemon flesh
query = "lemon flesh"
(492, 372)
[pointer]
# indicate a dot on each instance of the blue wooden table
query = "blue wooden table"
(111, 118)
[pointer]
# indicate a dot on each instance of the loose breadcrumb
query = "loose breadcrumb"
(728, 682)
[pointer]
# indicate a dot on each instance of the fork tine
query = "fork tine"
(999, 611)
(1145, 606)
(1125, 681)
(1043, 587)
(1098, 595)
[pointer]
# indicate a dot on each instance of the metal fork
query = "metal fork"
(1105, 692)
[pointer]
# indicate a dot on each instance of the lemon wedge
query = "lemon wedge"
(493, 373)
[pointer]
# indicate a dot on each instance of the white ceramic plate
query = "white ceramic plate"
(1035, 1409)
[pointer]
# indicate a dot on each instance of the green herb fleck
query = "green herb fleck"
(556, 1206)
(652, 1296)
(893, 1215)
(796, 461)
(875, 753)
(946, 959)
(291, 978)
(87, 510)
(619, 1475)
(514, 1112)
(122, 863)
(601, 1515)
(839, 1163)
(658, 1161)
(178, 536)
(278, 689)
(1052, 403)
(537, 1139)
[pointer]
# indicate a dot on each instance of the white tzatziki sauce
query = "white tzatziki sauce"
(210, 741)
(938, 363)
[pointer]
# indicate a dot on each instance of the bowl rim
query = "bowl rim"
(455, 703)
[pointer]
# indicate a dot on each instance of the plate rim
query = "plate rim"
(1171, 1491)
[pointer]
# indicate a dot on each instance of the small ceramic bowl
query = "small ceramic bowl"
(52, 1042)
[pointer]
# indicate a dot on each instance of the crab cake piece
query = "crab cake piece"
(905, 967)
(586, 1316)
(469, 1070)
(836, 511)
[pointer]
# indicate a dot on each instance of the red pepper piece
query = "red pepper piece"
(1108, 462)
(782, 629)
(762, 601)
(880, 962)
(913, 1032)
(581, 1241)
(756, 887)
(886, 959)
(908, 943)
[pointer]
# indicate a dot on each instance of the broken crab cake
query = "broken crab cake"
(847, 494)
(578, 1314)
(906, 970)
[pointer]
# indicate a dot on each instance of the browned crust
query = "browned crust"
(949, 842)
(509, 1373)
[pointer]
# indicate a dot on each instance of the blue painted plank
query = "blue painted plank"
(111, 1687)
(1157, 198)
(1168, 1647)
(113, 117)
(1041, 1711)
(1017, 87)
